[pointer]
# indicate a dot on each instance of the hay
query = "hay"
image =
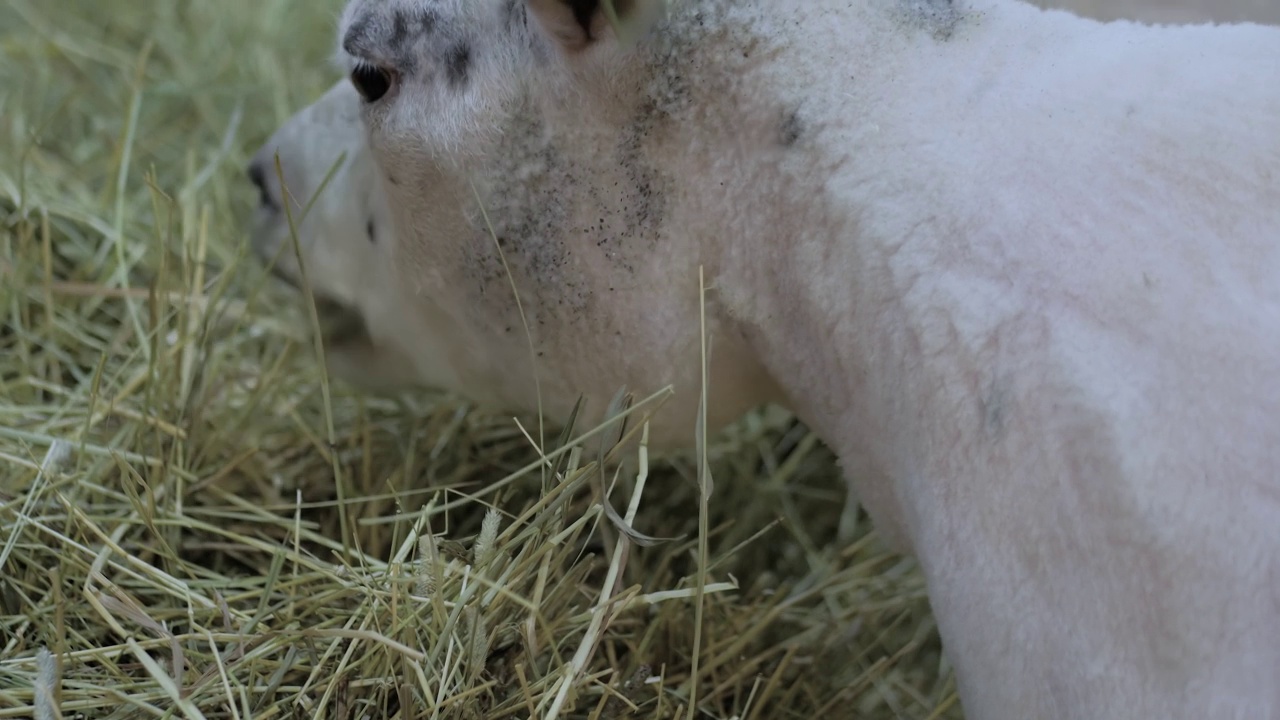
(189, 529)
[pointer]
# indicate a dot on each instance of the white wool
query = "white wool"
(1020, 269)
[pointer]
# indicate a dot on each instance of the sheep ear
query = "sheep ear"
(577, 24)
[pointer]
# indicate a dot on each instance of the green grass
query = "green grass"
(170, 523)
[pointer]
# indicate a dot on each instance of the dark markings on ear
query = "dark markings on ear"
(578, 23)
(458, 66)
(369, 228)
(623, 7)
(583, 12)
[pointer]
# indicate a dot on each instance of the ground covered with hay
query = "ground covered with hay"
(195, 523)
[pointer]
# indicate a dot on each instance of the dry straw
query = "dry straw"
(173, 490)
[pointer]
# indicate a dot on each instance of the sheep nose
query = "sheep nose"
(258, 175)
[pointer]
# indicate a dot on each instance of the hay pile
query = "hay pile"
(193, 523)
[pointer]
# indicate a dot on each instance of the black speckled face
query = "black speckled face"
(526, 162)
(479, 187)
(431, 65)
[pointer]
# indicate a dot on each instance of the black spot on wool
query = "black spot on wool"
(458, 64)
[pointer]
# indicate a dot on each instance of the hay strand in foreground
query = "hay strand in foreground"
(173, 490)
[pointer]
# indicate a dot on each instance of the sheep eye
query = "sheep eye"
(372, 82)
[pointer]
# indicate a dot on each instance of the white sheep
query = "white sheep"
(1020, 269)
